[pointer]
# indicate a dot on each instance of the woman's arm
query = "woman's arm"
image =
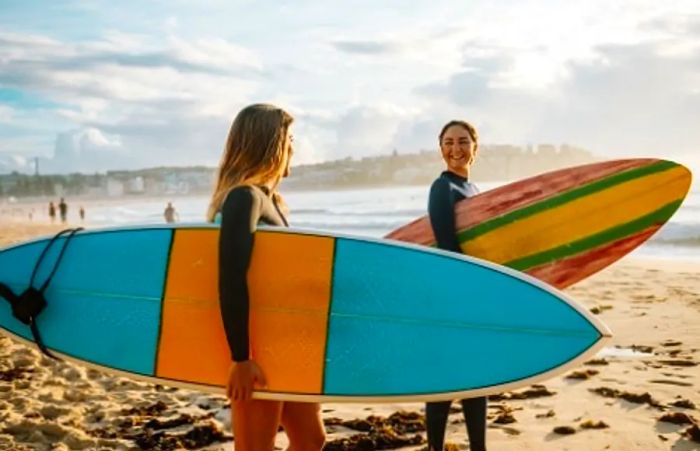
(442, 215)
(239, 218)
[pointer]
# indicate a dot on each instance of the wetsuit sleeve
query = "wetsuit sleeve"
(239, 218)
(442, 216)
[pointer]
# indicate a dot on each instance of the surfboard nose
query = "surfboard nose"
(497, 327)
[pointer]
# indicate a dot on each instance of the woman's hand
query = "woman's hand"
(242, 377)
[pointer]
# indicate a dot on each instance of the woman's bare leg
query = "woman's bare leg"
(303, 425)
(255, 423)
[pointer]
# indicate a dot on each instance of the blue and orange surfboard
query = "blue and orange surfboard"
(333, 318)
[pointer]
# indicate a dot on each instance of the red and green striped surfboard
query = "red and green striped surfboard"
(566, 225)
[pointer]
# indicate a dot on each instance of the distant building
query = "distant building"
(135, 185)
(115, 188)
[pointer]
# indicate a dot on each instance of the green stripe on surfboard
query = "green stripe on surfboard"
(607, 236)
(568, 196)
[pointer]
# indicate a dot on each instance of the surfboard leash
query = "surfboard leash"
(27, 306)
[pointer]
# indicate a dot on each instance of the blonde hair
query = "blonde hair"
(254, 153)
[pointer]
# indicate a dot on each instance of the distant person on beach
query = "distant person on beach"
(81, 212)
(170, 214)
(52, 212)
(256, 157)
(63, 210)
(459, 143)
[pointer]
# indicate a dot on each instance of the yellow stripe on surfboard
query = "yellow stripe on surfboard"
(580, 218)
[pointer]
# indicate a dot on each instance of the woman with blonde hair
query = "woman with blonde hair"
(256, 157)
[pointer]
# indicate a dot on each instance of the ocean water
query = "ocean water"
(374, 212)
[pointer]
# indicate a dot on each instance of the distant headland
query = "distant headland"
(495, 163)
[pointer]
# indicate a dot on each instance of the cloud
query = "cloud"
(360, 47)
(168, 105)
(419, 133)
(629, 100)
(464, 87)
(10, 163)
(6, 114)
(83, 150)
(365, 130)
(639, 100)
(121, 67)
(163, 90)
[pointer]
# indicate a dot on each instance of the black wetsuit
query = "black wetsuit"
(445, 191)
(243, 209)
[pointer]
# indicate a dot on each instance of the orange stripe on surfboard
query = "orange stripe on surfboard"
(193, 344)
(288, 318)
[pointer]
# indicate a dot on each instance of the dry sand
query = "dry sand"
(649, 373)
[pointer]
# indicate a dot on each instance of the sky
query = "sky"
(93, 86)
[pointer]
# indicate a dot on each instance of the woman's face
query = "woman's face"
(458, 149)
(289, 151)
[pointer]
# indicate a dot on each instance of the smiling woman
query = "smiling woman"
(459, 142)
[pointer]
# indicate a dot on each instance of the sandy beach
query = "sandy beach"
(640, 393)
